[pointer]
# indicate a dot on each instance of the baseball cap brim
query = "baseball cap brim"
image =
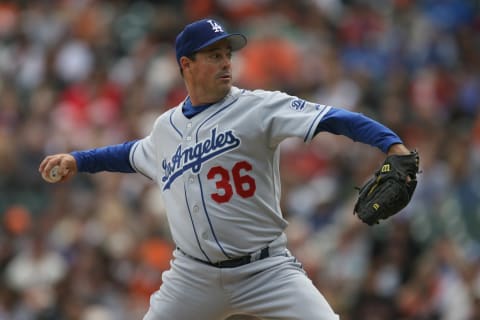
(237, 41)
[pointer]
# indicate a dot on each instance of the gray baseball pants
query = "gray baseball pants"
(273, 288)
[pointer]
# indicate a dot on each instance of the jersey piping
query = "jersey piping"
(320, 115)
(173, 125)
(132, 160)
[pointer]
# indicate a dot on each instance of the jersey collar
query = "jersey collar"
(190, 111)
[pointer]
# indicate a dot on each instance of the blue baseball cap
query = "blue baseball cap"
(201, 34)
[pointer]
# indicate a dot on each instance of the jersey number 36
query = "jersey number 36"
(243, 183)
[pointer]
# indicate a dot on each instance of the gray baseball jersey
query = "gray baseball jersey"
(219, 173)
(219, 176)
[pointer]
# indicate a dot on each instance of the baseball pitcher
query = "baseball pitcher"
(215, 158)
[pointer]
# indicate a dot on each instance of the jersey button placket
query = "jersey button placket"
(190, 179)
(188, 132)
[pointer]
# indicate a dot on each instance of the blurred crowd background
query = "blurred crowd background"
(77, 74)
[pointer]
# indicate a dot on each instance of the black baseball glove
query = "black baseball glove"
(390, 190)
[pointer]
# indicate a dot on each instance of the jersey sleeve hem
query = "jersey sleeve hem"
(322, 111)
(132, 160)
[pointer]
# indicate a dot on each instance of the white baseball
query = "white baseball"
(53, 176)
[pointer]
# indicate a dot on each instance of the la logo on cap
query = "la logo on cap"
(215, 26)
(202, 33)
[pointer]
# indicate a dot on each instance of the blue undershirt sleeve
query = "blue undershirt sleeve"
(114, 158)
(358, 127)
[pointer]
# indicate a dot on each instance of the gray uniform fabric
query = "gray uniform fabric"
(220, 181)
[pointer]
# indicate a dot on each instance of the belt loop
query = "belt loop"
(259, 255)
(264, 253)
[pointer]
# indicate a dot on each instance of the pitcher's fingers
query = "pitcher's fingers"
(68, 175)
(63, 167)
(45, 164)
(68, 165)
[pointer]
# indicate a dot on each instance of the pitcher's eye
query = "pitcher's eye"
(216, 56)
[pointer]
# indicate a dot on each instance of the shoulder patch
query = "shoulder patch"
(297, 105)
